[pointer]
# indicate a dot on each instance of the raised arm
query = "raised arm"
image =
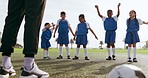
(145, 22)
(53, 24)
(98, 11)
(93, 33)
(118, 13)
(71, 31)
(55, 31)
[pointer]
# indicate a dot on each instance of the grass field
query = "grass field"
(96, 67)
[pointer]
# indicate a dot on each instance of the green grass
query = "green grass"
(96, 67)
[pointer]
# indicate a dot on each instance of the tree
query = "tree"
(56, 40)
(71, 42)
(101, 43)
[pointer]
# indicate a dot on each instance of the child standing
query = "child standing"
(81, 36)
(63, 27)
(132, 33)
(46, 35)
(110, 25)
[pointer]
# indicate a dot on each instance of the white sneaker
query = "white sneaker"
(35, 72)
(5, 73)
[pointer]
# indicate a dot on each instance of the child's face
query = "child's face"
(47, 26)
(132, 14)
(109, 13)
(81, 19)
(63, 16)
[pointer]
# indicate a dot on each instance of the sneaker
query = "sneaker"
(86, 58)
(46, 58)
(75, 58)
(135, 60)
(5, 73)
(68, 57)
(109, 58)
(129, 60)
(60, 57)
(35, 72)
(114, 57)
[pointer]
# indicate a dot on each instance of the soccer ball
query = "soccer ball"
(126, 71)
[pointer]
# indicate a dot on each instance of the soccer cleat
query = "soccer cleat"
(5, 73)
(46, 58)
(129, 60)
(68, 57)
(109, 58)
(35, 72)
(114, 57)
(60, 57)
(135, 60)
(75, 58)
(86, 58)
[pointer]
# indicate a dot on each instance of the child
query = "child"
(110, 25)
(132, 33)
(81, 36)
(46, 35)
(63, 27)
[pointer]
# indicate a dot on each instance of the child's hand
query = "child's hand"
(96, 6)
(54, 36)
(119, 4)
(53, 24)
(74, 38)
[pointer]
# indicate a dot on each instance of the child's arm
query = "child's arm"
(118, 13)
(53, 25)
(75, 36)
(93, 33)
(98, 11)
(71, 30)
(55, 31)
(145, 22)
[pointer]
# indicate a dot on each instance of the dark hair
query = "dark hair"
(46, 23)
(136, 21)
(82, 16)
(63, 13)
(109, 10)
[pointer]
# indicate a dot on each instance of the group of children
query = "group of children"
(110, 26)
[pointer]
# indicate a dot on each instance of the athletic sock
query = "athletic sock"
(45, 54)
(129, 52)
(108, 49)
(6, 62)
(85, 51)
(134, 50)
(61, 53)
(113, 50)
(67, 49)
(28, 63)
(77, 52)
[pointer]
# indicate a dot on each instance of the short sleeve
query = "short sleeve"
(103, 18)
(115, 18)
(68, 22)
(87, 25)
(58, 21)
(140, 21)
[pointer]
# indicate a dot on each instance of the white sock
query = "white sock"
(108, 49)
(67, 49)
(113, 50)
(77, 52)
(85, 51)
(129, 52)
(6, 62)
(45, 54)
(61, 53)
(28, 63)
(134, 49)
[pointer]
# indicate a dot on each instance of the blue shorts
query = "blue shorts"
(45, 44)
(110, 37)
(81, 39)
(132, 37)
(63, 38)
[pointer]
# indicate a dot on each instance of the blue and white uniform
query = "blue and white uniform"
(81, 35)
(46, 36)
(110, 25)
(132, 31)
(63, 31)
